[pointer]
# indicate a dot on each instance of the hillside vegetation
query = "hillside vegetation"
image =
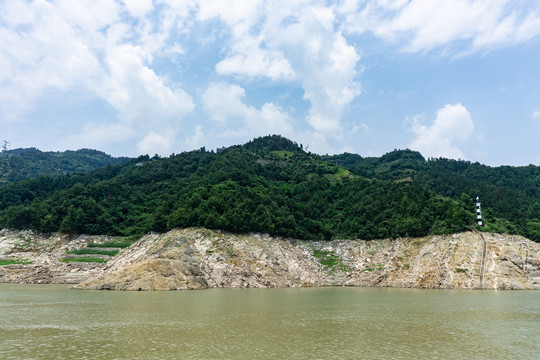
(510, 195)
(20, 164)
(271, 185)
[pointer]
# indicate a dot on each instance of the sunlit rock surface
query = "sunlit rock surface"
(201, 258)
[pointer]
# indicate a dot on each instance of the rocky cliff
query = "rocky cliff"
(200, 258)
(34, 258)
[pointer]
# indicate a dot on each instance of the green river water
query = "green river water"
(56, 322)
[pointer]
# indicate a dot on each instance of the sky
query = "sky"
(457, 79)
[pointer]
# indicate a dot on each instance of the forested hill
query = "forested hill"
(510, 195)
(20, 164)
(272, 185)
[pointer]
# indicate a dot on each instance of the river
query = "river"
(56, 322)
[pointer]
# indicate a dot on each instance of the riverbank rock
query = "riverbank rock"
(201, 258)
(38, 257)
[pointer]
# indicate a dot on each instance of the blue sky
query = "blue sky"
(449, 78)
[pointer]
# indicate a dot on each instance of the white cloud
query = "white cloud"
(225, 105)
(536, 114)
(249, 54)
(315, 142)
(360, 128)
(422, 25)
(291, 41)
(154, 143)
(326, 65)
(138, 8)
(270, 120)
(92, 48)
(254, 62)
(197, 140)
(137, 93)
(452, 125)
(133, 58)
(224, 102)
(236, 13)
(88, 15)
(96, 135)
(40, 51)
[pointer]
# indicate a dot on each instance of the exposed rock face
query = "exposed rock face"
(200, 258)
(43, 254)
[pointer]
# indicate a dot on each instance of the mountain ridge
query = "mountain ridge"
(24, 163)
(271, 184)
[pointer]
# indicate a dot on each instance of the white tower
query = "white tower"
(478, 212)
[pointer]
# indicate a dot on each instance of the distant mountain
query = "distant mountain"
(272, 185)
(20, 164)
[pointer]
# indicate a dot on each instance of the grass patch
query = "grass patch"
(122, 243)
(283, 154)
(86, 259)
(330, 261)
(112, 244)
(460, 270)
(374, 267)
(88, 251)
(342, 173)
(15, 261)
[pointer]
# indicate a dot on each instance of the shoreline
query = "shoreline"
(185, 259)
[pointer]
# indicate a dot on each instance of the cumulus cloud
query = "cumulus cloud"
(139, 95)
(248, 54)
(97, 135)
(195, 140)
(292, 41)
(41, 50)
(254, 62)
(452, 126)
(427, 24)
(315, 142)
(96, 49)
(154, 143)
(144, 60)
(224, 103)
(326, 65)
(144, 104)
(138, 8)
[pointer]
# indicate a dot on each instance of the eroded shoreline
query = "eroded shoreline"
(200, 258)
